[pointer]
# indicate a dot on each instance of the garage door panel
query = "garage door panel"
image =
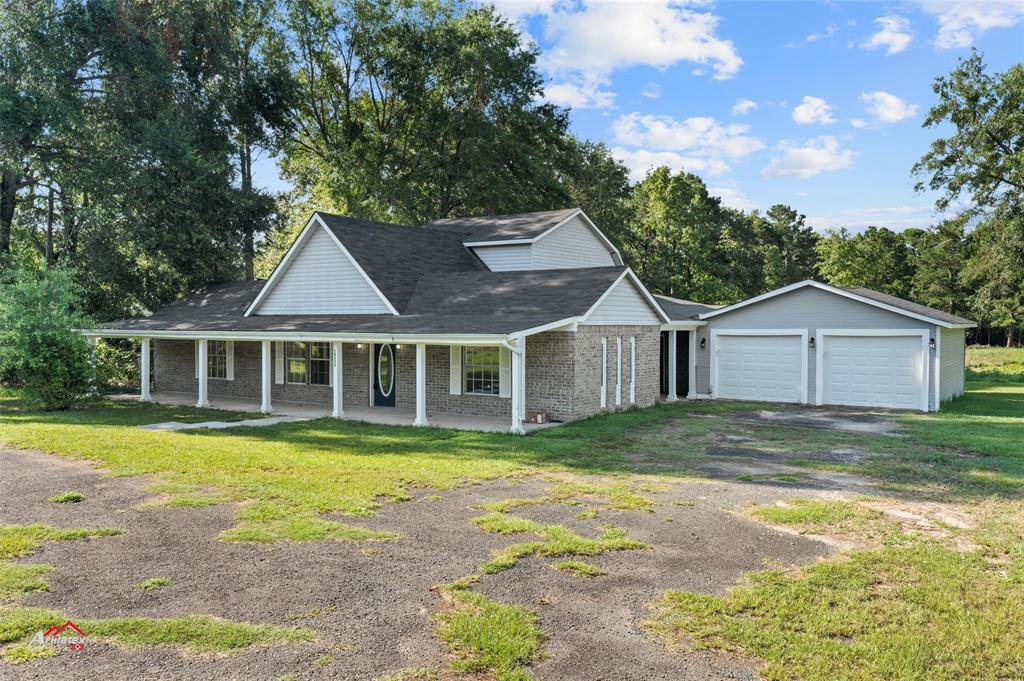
(762, 368)
(872, 371)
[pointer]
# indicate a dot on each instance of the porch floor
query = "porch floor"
(382, 415)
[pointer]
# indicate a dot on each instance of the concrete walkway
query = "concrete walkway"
(220, 425)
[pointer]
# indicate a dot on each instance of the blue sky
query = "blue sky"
(814, 104)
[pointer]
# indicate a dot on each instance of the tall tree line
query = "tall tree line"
(129, 131)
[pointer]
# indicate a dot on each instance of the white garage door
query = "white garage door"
(872, 371)
(767, 368)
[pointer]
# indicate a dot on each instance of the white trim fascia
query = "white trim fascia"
(429, 339)
(819, 349)
(578, 212)
(683, 326)
(294, 249)
(838, 291)
(651, 300)
(938, 367)
(804, 361)
(570, 324)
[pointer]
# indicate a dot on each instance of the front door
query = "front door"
(383, 375)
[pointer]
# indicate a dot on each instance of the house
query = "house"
(518, 318)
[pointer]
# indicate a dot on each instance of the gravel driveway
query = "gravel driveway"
(371, 603)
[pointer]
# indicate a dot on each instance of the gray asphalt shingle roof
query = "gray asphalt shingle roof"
(683, 310)
(470, 302)
(907, 305)
(521, 226)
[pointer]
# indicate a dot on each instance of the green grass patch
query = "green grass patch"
(263, 522)
(557, 541)
(486, 636)
(22, 653)
(17, 541)
(920, 611)
(506, 505)
(153, 583)
(579, 569)
(68, 498)
(618, 495)
(419, 674)
(194, 633)
(17, 579)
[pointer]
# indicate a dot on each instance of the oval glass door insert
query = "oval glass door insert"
(386, 370)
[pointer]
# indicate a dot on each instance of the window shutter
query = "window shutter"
(278, 362)
(455, 369)
(504, 372)
(231, 360)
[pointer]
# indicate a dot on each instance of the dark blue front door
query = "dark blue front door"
(384, 375)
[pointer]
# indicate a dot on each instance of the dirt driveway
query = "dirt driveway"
(371, 604)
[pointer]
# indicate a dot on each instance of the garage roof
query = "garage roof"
(864, 295)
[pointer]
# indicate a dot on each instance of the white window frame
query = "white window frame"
(211, 354)
(604, 373)
(804, 334)
(819, 356)
(288, 357)
(466, 366)
(326, 359)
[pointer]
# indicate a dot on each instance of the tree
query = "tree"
(787, 244)
(984, 157)
(39, 342)
(409, 111)
(598, 183)
(996, 272)
(940, 256)
(877, 258)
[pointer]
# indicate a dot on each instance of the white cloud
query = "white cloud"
(858, 122)
(819, 155)
(582, 96)
(887, 107)
(813, 110)
(743, 106)
(829, 31)
(733, 197)
(699, 135)
(641, 161)
(894, 35)
(592, 38)
(893, 217)
(962, 23)
(651, 91)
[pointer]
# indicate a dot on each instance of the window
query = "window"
(319, 363)
(217, 359)
(481, 370)
(295, 358)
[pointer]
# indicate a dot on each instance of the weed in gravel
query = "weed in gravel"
(846, 518)
(325, 660)
(588, 514)
(153, 583)
(558, 541)
(312, 612)
(505, 505)
(17, 541)
(419, 674)
(17, 579)
(579, 568)
(619, 495)
(684, 504)
(195, 633)
(68, 498)
(486, 636)
(23, 652)
(267, 522)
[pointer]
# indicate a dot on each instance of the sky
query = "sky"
(818, 105)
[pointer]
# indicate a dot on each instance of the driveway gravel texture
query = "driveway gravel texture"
(371, 604)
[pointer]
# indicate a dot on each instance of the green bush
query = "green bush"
(40, 347)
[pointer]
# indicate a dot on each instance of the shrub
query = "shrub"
(39, 344)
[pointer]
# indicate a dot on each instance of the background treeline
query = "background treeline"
(128, 133)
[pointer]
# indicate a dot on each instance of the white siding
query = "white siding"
(505, 258)
(573, 244)
(624, 306)
(951, 363)
(322, 280)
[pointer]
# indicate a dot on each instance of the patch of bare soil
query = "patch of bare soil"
(371, 603)
(850, 420)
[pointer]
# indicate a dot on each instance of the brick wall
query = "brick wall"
(563, 375)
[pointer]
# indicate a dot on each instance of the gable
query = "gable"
(624, 304)
(320, 278)
(574, 244)
(813, 307)
(505, 258)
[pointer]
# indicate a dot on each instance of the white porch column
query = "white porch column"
(421, 385)
(691, 389)
(265, 377)
(672, 397)
(204, 376)
(518, 389)
(336, 368)
(144, 395)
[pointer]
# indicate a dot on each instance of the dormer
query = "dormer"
(550, 240)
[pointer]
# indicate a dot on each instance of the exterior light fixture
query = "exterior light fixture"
(931, 344)
(810, 342)
(703, 343)
(359, 346)
(398, 347)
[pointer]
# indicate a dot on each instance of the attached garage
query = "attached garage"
(812, 343)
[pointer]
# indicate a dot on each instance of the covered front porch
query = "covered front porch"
(381, 415)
